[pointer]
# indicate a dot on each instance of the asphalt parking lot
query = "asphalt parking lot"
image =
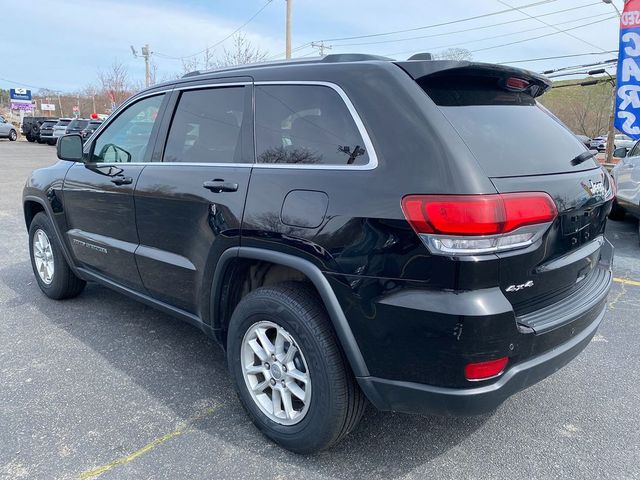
(103, 387)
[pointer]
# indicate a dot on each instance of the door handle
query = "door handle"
(122, 180)
(218, 186)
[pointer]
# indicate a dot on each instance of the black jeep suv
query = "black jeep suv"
(421, 234)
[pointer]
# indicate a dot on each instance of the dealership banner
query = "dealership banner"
(628, 76)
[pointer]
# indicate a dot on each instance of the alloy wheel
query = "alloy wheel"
(276, 373)
(43, 256)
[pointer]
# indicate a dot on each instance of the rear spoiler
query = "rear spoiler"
(418, 69)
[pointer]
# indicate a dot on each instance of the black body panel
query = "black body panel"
(409, 320)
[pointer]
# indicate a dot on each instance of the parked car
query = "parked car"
(77, 125)
(348, 227)
(45, 134)
(90, 128)
(586, 141)
(626, 175)
(7, 130)
(60, 128)
(31, 127)
(620, 140)
(599, 143)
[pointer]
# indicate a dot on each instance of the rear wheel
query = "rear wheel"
(289, 371)
(13, 135)
(54, 277)
(617, 212)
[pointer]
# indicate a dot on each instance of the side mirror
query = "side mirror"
(70, 147)
(620, 152)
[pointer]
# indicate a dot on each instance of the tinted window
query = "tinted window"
(635, 151)
(63, 123)
(508, 132)
(206, 127)
(306, 124)
(126, 138)
(78, 123)
(94, 124)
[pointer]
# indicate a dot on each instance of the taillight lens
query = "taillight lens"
(485, 370)
(475, 224)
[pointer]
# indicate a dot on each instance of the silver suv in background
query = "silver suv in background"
(60, 128)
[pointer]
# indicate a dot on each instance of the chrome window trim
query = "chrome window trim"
(211, 85)
(373, 158)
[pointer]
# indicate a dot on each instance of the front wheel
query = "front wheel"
(54, 277)
(13, 135)
(289, 370)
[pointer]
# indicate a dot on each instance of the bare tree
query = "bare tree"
(241, 52)
(585, 110)
(453, 54)
(115, 82)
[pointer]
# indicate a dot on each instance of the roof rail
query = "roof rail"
(333, 58)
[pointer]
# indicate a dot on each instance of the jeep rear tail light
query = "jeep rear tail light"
(477, 224)
(485, 370)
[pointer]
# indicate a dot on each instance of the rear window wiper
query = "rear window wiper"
(583, 157)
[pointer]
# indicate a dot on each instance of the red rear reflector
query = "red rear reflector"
(485, 370)
(477, 214)
(516, 84)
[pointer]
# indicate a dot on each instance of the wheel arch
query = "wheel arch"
(32, 205)
(234, 256)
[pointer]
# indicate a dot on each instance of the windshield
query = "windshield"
(508, 132)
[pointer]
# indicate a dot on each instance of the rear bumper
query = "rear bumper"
(411, 397)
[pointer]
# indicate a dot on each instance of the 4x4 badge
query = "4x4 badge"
(517, 288)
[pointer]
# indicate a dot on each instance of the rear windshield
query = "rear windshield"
(508, 132)
(49, 124)
(94, 124)
(78, 123)
(63, 123)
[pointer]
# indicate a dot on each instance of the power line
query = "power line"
(442, 24)
(543, 36)
(562, 69)
(509, 34)
(552, 26)
(464, 30)
(22, 84)
(539, 59)
(162, 55)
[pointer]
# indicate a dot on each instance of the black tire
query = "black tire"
(51, 142)
(617, 212)
(337, 403)
(13, 135)
(64, 283)
(40, 141)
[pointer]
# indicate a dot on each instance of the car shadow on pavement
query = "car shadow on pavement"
(180, 367)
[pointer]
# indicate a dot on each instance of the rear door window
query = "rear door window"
(206, 126)
(508, 132)
(306, 124)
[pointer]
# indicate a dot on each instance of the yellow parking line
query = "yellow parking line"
(95, 472)
(626, 281)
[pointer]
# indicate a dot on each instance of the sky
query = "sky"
(63, 44)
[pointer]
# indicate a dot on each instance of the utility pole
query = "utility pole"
(288, 30)
(321, 47)
(146, 53)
